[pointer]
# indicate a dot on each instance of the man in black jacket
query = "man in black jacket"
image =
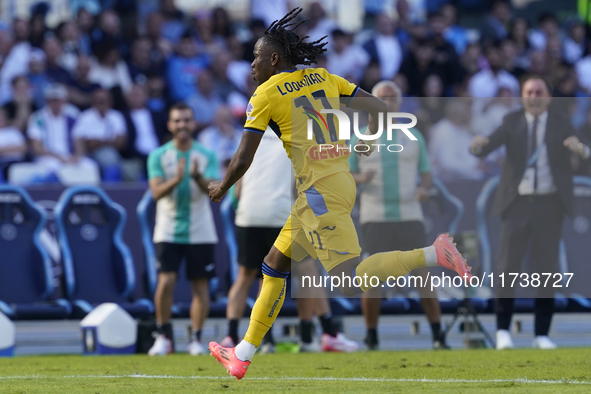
(145, 129)
(534, 193)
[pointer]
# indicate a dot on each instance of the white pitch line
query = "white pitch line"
(332, 379)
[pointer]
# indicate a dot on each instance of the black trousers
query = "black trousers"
(537, 219)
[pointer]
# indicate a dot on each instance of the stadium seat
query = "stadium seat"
(443, 212)
(146, 214)
(227, 215)
(98, 266)
(488, 226)
(26, 283)
(576, 248)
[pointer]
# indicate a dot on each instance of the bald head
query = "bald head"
(390, 93)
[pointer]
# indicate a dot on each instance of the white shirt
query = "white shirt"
(324, 27)
(486, 84)
(583, 68)
(449, 149)
(145, 139)
(390, 54)
(91, 125)
(238, 71)
(572, 51)
(110, 77)
(11, 137)
(349, 63)
(16, 63)
(268, 10)
(265, 197)
(52, 131)
(538, 40)
(222, 144)
(490, 119)
(545, 180)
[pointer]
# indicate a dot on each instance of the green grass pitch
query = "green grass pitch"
(558, 371)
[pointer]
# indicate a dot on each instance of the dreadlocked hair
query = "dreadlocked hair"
(295, 50)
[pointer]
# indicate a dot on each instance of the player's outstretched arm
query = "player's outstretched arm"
(364, 101)
(238, 165)
(367, 102)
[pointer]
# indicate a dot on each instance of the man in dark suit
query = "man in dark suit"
(145, 128)
(384, 47)
(534, 193)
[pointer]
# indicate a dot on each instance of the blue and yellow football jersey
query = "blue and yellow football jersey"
(285, 102)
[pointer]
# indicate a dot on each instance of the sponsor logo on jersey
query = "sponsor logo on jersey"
(328, 151)
(249, 111)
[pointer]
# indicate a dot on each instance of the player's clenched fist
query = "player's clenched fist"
(478, 143)
(575, 145)
(215, 191)
(362, 151)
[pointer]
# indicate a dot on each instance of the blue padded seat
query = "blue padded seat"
(98, 266)
(442, 211)
(26, 282)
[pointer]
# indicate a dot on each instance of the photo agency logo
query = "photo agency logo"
(322, 123)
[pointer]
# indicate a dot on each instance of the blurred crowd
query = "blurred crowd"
(93, 92)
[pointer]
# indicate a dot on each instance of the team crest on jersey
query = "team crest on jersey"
(249, 111)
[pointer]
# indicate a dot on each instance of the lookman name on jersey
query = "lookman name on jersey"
(310, 90)
(308, 80)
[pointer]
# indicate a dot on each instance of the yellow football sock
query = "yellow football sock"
(267, 306)
(387, 264)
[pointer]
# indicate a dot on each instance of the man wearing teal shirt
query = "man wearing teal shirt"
(179, 172)
(390, 209)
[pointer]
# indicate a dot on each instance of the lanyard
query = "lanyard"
(532, 160)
